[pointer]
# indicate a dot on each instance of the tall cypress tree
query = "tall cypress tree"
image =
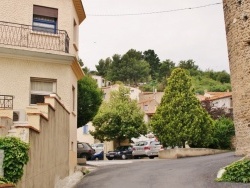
(180, 117)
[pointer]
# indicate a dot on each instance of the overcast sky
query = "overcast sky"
(197, 34)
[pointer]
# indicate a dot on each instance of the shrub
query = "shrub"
(15, 157)
(238, 171)
(223, 133)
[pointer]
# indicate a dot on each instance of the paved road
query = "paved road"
(195, 172)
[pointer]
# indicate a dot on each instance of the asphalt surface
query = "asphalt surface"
(194, 172)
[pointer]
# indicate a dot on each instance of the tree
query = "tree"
(103, 67)
(89, 100)
(165, 69)
(130, 68)
(190, 66)
(180, 117)
(152, 58)
(119, 119)
(216, 112)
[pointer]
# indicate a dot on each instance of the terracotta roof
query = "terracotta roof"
(218, 95)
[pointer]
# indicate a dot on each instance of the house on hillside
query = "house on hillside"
(148, 102)
(38, 93)
(218, 99)
(101, 82)
(133, 92)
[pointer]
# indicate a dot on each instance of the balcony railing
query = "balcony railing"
(6, 102)
(26, 36)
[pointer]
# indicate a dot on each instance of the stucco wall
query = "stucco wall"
(187, 152)
(17, 73)
(5, 125)
(48, 154)
(237, 24)
(224, 102)
(17, 11)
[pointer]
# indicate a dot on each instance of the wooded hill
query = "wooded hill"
(146, 70)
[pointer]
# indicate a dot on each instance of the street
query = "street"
(160, 173)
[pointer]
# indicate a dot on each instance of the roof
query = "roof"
(79, 10)
(216, 95)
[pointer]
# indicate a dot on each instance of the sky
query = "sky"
(116, 26)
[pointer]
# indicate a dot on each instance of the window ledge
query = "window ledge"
(45, 34)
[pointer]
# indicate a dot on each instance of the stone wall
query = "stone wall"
(237, 25)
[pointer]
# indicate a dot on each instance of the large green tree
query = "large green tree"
(103, 67)
(89, 100)
(180, 117)
(152, 58)
(130, 68)
(119, 119)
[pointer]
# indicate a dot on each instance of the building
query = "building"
(101, 82)
(39, 74)
(237, 25)
(148, 102)
(218, 99)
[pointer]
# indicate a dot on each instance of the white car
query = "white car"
(146, 149)
(98, 147)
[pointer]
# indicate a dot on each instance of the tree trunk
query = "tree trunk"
(183, 144)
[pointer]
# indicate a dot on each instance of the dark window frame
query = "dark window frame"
(46, 16)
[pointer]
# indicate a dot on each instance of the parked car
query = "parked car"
(121, 152)
(146, 149)
(84, 150)
(98, 147)
(98, 156)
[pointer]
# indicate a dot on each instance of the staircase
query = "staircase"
(27, 120)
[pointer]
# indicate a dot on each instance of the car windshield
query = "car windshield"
(122, 148)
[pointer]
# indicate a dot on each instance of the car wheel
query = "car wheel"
(96, 158)
(124, 156)
(151, 157)
(135, 157)
(109, 158)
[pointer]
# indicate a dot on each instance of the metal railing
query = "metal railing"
(6, 102)
(32, 37)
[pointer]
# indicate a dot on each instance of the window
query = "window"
(44, 19)
(145, 107)
(41, 87)
(73, 93)
(85, 129)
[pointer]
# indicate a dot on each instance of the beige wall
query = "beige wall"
(48, 155)
(17, 11)
(237, 25)
(17, 73)
(187, 152)
(5, 124)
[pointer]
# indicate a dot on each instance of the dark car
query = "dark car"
(121, 152)
(84, 150)
(97, 156)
